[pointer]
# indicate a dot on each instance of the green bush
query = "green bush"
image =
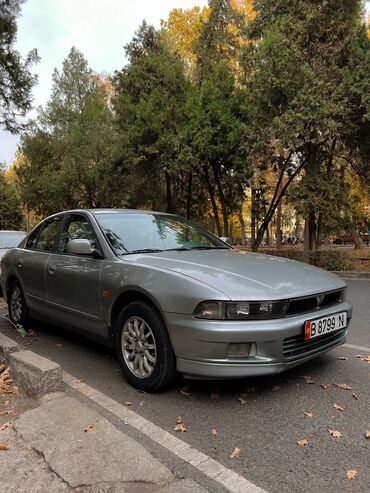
(326, 259)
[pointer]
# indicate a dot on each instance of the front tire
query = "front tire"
(143, 348)
(17, 306)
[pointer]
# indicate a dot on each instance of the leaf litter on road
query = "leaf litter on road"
(335, 433)
(308, 414)
(338, 407)
(351, 473)
(367, 435)
(180, 425)
(325, 386)
(214, 432)
(366, 359)
(185, 391)
(235, 453)
(302, 442)
(343, 386)
(308, 380)
(5, 426)
(4, 446)
(88, 428)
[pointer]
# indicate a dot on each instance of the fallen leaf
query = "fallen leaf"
(351, 473)
(303, 442)
(325, 385)
(235, 453)
(342, 358)
(128, 403)
(251, 388)
(338, 407)
(307, 379)
(308, 414)
(88, 428)
(5, 426)
(275, 388)
(335, 433)
(141, 403)
(367, 434)
(214, 432)
(215, 395)
(355, 397)
(4, 446)
(363, 358)
(180, 425)
(185, 391)
(242, 401)
(343, 386)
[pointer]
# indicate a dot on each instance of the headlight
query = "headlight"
(240, 310)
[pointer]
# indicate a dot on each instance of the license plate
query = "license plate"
(324, 325)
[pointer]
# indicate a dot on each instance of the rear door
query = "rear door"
(30, 263)
(73, 281)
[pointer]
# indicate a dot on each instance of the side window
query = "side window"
(77, 228)
(43, 239)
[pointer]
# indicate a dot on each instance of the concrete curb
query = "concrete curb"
(352, 274)
(7, 347)
(34, 374)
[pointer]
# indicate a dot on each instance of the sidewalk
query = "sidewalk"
(55, 443)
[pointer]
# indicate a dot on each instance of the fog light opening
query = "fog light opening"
(242, 350)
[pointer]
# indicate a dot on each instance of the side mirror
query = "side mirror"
(82, 247)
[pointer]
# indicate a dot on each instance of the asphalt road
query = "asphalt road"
(269, 420)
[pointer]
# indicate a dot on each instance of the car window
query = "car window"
(44, 238)
(77, 228)
(10, 240)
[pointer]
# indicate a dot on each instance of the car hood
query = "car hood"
(247, 276)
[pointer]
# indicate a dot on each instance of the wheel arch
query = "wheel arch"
(128, 296)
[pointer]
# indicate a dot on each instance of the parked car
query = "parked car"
(171, 297)
(9, 239)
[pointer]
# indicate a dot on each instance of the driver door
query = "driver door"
(73, 281)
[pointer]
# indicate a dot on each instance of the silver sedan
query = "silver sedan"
(171, 297)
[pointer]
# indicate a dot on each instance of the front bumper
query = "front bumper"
(201, 346)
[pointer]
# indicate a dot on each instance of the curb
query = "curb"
(351, 274)
(34, 374)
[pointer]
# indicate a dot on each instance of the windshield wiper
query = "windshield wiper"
(179, 249)
(209, 247)
(143, 250)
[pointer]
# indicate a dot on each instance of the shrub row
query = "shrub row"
(326, 259)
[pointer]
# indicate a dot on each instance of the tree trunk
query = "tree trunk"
(310, 232)
(222, 198)
(359, 244)
(242, 228)
(168, 192)
(253, 217)
(213, 200)
(319, 232)
(279, 235)
(189, 196)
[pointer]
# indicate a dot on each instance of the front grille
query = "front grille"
(296, 346)
(315, 302)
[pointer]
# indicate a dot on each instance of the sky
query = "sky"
(98, 28)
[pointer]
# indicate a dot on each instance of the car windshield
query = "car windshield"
(149, 233)
(10, 240)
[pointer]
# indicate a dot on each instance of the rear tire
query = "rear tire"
(143, 348)
(17, 306)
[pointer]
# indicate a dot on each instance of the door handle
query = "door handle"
(51, 270)
(19, 263)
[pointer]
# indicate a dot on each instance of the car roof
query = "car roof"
(112, 211)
